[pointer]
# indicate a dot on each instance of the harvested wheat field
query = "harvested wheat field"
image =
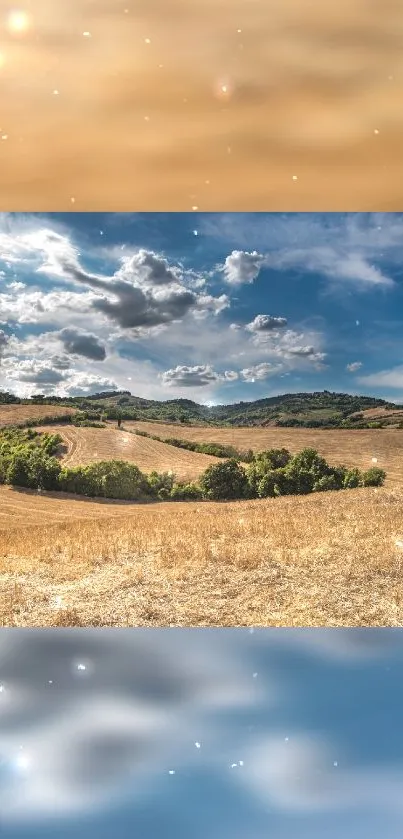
(330, 559)
(88, 445)
(10, 414)
(341, 446)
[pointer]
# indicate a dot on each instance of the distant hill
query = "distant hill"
(321, 409)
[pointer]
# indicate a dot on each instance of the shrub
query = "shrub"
(107, 479)
(186, 492)
(161, 484)
(373, 477)
(326, 482)
(224, 481)
(352, 479)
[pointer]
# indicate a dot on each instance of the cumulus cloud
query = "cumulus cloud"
(265, 323)
(32, 371)
(259, 371)
(78, 342)
(242, 267)
(198, 376)
(354, 366)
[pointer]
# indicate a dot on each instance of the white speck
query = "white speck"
(171, 772)
(147, 119)
(50, 682)
(197, 745)
(335, 763)
(357, 323)
(252, 630)
(101, 232)
(376, 131)
(55, 92)
(239, 30)
(160, 66)
(4, 136)
(195, 207)
(81, 667)
(295, 177)
(255, 675)
(399, 543)
(195, 233)
(57, 602)
(147, 40)
(241, 762)
(286, 739)
(233, 765)
(72, 199)
(87, 34)
(374, 460)
(2, 688)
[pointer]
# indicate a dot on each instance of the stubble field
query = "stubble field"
(328, 559)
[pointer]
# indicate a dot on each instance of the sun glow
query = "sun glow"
(18, 21)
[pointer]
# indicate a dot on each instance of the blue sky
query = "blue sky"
(206, 306)
(292, 733)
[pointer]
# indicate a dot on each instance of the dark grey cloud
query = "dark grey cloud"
(135, 308)
(44, 376)
(60, 362)
(78, 342)
(143, 293)
(265, 323)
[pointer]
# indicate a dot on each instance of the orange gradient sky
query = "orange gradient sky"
(214, 104)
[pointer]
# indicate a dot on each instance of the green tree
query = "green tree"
(224, 481)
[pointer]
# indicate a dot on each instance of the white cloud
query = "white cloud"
(242, 267)
(385, 378)
(197, 376)
(354, 366)
(265, 323)
(260, 371)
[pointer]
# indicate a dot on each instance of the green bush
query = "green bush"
(327, 482)
(352, 479)
(186, 492)
(224, 481)
(107, 479)
(161, 484)
(373, 477)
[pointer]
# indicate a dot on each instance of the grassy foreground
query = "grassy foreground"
(329, 559)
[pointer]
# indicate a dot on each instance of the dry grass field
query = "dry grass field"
(352, 448)
(327, 559)
(87, 445)
(10, 414)
(331, 559)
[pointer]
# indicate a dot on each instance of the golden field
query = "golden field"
(330, 559)
(326, 559)
(352, 448)
(10, 414)
(88, 445)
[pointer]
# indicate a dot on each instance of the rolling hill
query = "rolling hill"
(321, 409)
(88, 445)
